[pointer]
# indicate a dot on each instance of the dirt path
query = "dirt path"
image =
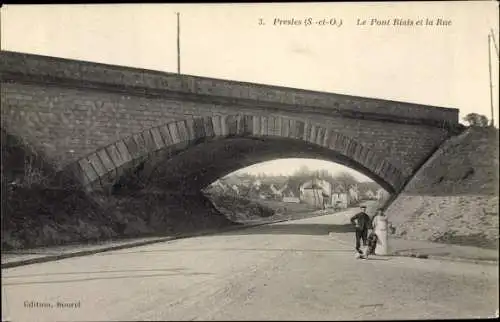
(285, 271)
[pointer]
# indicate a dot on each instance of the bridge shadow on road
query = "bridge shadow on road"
(293, 229)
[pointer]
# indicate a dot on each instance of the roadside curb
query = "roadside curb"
(50, 258)
(428, 256)
(447, 258)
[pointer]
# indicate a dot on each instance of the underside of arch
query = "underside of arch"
(180, 140)
(206, 162)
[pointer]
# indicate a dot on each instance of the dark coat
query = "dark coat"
(363, 220)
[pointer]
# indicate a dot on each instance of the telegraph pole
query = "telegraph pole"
(179, 45)
(494, 41)
(491, 85)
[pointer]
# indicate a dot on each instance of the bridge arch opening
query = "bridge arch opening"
(172, 183)
(292, 188)
(190, 154)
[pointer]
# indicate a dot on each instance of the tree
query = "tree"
(324, 174)
(302, 171)
(476, 120)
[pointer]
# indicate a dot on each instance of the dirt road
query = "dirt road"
(285, 271)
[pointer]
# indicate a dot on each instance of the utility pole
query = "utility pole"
(491, 85)
(178, 45)
(494, 41)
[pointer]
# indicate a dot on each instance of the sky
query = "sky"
(445, 65)
(289, 166)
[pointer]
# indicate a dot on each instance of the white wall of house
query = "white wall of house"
(325, 185)
(313, 197)
(340, 200)
(291, 199)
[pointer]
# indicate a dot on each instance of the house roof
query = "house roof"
(338, 189)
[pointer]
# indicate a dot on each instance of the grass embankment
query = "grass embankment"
(45, 217)
(244, 210)
(453, 198)
(39, 210)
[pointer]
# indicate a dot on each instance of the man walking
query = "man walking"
(362, 223)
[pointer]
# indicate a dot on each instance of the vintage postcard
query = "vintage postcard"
(265, 161)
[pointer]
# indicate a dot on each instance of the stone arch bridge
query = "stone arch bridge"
(101, 123)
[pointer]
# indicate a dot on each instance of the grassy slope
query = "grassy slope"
(43, 217)
(37, 211)
(244, 210)
(454, 197)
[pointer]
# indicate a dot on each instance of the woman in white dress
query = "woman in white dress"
(379, 226)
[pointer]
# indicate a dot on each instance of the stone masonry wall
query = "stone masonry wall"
(68, 124)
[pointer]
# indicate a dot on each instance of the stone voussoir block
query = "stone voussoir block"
(96, 163)
(285, 128)
(149, 142)
(224, 126)
(313, 133)
(138, 146)
(278, 126)
(88, 170)
(217, 125)
(106, 160)
(232, 124)
(299, 129)
(208, 126)
(247, 124)
(320, 133)
(199, 128)
(270, 125)
(157, 138)
(183, 132)
(165, 134)
(264, 121)
(191, 133)
(125, 155)
(256, 125)
(307, 131)
(174, 132)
